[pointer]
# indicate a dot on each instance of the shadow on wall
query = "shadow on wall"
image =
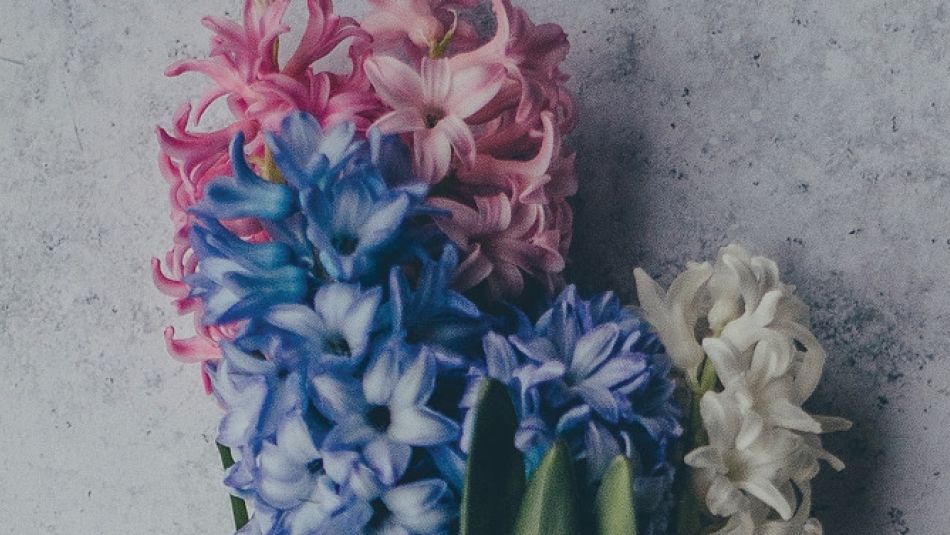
(866, 360)
(610, 211)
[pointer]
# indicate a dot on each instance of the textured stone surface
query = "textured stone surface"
(813, 132)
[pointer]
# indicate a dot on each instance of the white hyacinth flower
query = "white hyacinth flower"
(738, 318)
(675, 313)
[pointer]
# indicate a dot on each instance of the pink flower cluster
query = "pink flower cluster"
(486, 122)
(484, 117)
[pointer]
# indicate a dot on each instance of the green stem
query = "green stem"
(238, 507)
(687, 519)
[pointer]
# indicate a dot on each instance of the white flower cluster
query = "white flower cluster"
(763, 449)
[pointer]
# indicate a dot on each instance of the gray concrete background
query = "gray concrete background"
(813, 132)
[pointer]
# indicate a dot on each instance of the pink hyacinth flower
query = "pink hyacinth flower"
(259, 93)
(433, 105)
(411, 28)
(503, 239)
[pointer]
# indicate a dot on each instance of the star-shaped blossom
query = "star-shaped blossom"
(352, 219)
(337, 329)
(290, 465)
(381, 417)
(733, 471)
(256, 391)
(433, 105)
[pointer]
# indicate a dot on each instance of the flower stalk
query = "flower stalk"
(238, 507)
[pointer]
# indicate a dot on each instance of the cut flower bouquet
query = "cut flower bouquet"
(374, 261)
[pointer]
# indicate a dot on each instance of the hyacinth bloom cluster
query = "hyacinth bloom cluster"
(349, 379)
(344, 321)
(763, 448)
(483, 115)
(341, 237)
(591, 373)
(485, 119)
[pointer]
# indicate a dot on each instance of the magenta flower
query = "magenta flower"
(503, 240)
(510, 173)
(433, 105)
(244, 70)
(411, 28)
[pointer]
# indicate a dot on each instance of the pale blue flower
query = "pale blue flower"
(256, 391)
(336, 331)
(290, 465)
(381, 418)
(238, 280)
(424, 507)
(330, 510)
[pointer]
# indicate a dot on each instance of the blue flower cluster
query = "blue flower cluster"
(351, 380)
(348, 325)
(593, 374)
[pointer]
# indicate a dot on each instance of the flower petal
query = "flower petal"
(593, 349)
(460, 136)
(473, 88)
(416, 384)
(436, 80)
(388, 459)
(401, 120)
(422, 427)
(396, 83)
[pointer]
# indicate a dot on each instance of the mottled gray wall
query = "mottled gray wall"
(812, 132)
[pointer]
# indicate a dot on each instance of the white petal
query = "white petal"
(764, 490)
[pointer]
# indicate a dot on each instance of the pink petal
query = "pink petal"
(396, 83)
(399, 121)
(494, 213)
(506, 280)
(190, 350)
(473, 88)
(323, 33)
(167, 286)
(460, 136)
(493, 50)
(432, 153)
(457, 225)
(474, 269)
(436, 80)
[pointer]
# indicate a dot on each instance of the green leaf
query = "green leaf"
(550, 503)
(238, 507)
(615, 506)
(494, 479)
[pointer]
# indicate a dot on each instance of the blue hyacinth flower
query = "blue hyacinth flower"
(336, 331)
(245, 194)
(433, 314)
(237, 280)
(309, 156)
(256, 392)
(351, 221)
(424, 507)
(289, 466)
(592, 374)
(379, 419)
